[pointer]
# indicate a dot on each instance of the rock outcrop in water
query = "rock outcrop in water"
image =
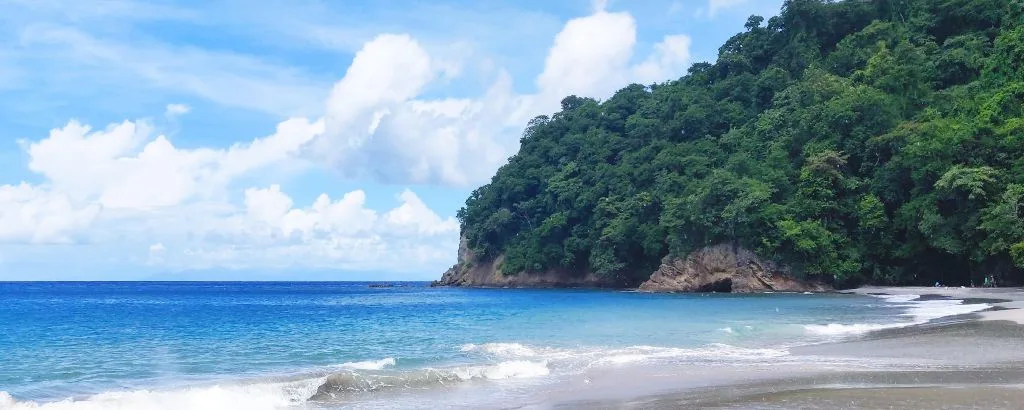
(720, 268)
(725, 268)
(471, 271)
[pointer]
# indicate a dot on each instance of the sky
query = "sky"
(293, 140)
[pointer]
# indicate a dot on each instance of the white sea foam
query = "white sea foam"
(934, 309)
(898, 298)
(726, 329)
(284, 395)
(500, 349)
(919, 312)
(369, 364)
(716, 352)
(513, 369)
(581, 358)
(836, 329)
(261, 396)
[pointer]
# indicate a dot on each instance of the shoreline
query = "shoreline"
(974, 360)
(949, 355)
(1007, 303)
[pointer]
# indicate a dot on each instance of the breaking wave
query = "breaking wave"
(495, 362)
(916, 311)
(369, 364)
(331, 387)
(590, 357)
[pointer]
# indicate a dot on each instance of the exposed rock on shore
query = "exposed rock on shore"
(724, 268)
(471, 271)
(719, 268)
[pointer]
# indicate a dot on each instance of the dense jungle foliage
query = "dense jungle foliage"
(855, 141)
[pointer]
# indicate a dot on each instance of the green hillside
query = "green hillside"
(855, 141)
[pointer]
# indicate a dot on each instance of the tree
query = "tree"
(854, 141)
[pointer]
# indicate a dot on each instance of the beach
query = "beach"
(279, 346)
(969, 361)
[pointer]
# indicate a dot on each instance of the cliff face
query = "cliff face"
(723, 268)
(471, 271)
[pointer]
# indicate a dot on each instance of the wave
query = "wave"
(837, 329)
(257, 396)
(290, 394)
(590, 357)
(928, 310)
(898, 298)
(919, 312)
(499, 349)
(343, 384)
(346, 381)
(515, 369)
(369, 364)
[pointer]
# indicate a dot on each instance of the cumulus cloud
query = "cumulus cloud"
(670, 57)
(124, 166)
(128, 184)
(589, 57)
(342, 233)
(380, 126)
(37, 215)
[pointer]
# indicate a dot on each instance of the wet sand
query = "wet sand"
(973, 361)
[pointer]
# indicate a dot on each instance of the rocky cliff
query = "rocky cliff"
(725, 268)
(720, 268)
(471, 271)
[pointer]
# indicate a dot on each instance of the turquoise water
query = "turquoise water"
(280, 345)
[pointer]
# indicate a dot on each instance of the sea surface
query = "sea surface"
(259, 345)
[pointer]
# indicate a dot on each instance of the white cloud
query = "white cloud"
(413, 217)
(670, 57)
(589, 57)
(272, 210)
(379, 126)
(715, 6)
(175, 110)
(343, 234)
(37, 215)
(389, 69)
(270, 213)
(123, 166)
(127, 184)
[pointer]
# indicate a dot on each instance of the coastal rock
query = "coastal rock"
(725, 268)
(472, 271)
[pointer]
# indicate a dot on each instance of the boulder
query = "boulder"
(725, 268)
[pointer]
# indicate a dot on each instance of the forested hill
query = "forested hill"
(855, 141)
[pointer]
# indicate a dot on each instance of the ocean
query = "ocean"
(281, 345)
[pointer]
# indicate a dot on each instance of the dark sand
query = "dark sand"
(972, 361)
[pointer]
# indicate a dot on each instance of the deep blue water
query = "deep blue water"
(78, 339)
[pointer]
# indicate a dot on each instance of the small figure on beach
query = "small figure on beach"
(990, 281)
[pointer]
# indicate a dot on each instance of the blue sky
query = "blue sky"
(293, 140)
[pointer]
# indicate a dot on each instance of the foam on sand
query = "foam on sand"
(919, 312)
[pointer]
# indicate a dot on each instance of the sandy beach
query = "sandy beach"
(973, 361)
